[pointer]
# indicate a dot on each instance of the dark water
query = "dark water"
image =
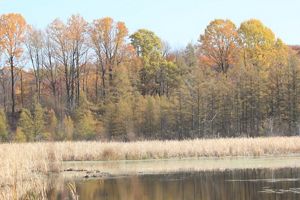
(257, 184)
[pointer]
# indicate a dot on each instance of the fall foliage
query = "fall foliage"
(94, 80)
(219, 44)
(13, 37)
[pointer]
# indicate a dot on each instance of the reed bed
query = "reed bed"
(23, 167)
(95, 151)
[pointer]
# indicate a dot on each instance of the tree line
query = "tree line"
(77, 80)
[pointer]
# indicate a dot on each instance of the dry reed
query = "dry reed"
(94, 151)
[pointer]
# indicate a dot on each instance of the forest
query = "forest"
(79, 80)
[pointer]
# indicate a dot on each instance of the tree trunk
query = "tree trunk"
(12, 71)
(22, 90)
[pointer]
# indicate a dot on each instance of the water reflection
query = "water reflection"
(262, 184)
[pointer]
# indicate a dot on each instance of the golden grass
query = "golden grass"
(93, 151)
(24, 166)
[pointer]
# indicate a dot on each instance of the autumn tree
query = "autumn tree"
(108, 41)
(263, 57)
(13, 27)
(219, 44)
(81, 81)
(257, 42)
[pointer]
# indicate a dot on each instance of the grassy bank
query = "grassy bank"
(24, 166)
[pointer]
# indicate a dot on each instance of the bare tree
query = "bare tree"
(34, 44)
(107, 40)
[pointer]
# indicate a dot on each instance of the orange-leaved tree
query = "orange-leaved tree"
(219, 44)
(13, 26)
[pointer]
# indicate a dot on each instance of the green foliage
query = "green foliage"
(20, 136)
(157, 75)
(52, 125)
(190, 55)
(38, 119)
(26, 124)
(147, 45)
(85, 126)
(85, 122)
(115, 127)
(3, 126)
(118, 120)
(150, 116)
(32, 124)
(168, 78)
(122, 86)
(68, 127)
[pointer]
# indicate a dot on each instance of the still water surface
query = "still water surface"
(240, 184)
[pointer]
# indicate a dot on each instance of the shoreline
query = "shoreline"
(188, 158)
(113, 169)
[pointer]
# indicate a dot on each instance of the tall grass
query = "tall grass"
(93, 151)
(23, 167)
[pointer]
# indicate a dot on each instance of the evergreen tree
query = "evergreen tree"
(116, 121)
(151, 117)
(52, 125)
(20, 136)
(25, 124)
(118, 113)
(68, 128)
(85, 126)
(3, 126)
(38, 121)
(85, 122)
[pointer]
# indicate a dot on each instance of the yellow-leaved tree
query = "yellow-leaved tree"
(258, 43)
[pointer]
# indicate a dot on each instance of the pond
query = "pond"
(240, 184)
(241, 178)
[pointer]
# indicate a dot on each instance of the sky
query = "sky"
(176, 21)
